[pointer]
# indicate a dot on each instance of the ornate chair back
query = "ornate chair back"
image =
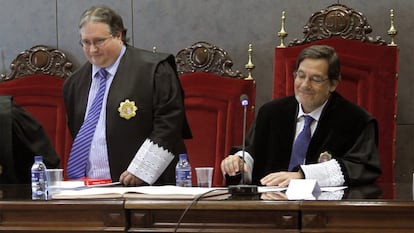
(35, 83)
(369, 68)
(212, 100)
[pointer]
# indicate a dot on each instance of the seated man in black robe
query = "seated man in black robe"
(22, 137)
(342, 139)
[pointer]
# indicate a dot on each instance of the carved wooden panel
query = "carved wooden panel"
(40, 59)
(206, 57)
(337, 20)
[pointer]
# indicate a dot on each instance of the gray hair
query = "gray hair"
(106, 15)
(323, 52)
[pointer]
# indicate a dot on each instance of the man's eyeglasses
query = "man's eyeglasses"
(300, 76)
(99, 42)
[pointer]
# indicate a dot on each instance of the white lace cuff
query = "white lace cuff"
(150, 162)
(327, 173)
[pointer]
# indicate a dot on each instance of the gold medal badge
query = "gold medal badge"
(127, 109)
(324, 156)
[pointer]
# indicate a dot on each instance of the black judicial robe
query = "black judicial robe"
(135, 80)
(22, 137)
(340, 125)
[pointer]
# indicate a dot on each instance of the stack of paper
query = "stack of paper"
(166, 191)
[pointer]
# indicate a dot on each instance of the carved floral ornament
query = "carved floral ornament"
(337, 21)
(205, 57)
(40, 59)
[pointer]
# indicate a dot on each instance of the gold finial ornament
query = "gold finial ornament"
(392, 32)
(249, 66)
(127, 109)
(282, 34)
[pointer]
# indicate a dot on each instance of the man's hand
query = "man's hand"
(233, 164)
(127, 179)
(281, 179)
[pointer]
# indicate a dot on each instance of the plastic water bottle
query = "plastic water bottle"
(183, 172)
(39, 181)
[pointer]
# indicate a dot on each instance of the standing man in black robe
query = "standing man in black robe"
(142, 123)
(343, 145)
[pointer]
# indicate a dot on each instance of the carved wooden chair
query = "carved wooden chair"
(212, 100)
(369, 68)
(35, 83)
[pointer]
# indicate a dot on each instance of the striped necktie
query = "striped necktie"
(300, 147)
(81, 146)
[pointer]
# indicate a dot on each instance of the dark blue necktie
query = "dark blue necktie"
(81, 146)
(300, 147)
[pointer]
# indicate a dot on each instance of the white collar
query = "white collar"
(315, 114)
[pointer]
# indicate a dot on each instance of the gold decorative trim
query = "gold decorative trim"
(324, 157)
(392, 32)
(282, 34)
(127, 109)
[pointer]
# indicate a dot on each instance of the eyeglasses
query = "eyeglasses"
(300, 76)
(98, 42)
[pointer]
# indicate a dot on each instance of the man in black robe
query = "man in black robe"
(142, 123)
(22, 137)
(343, 145)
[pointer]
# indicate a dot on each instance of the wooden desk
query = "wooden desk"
(362, 209)
(214, 216)
(368, 209)
(76, 216)
(20, 214)
(357, 216)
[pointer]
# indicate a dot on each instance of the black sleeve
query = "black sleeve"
(29, 139)
(361, 164)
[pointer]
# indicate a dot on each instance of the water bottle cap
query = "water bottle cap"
(183, 156)
(38, 158)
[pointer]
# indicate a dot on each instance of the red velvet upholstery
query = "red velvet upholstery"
(215, 116)
(41, 95)
(369, 79)
(213, 108)
(38, 90)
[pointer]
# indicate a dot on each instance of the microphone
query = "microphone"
(239, 177)
(244, 100)
(243, 191)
